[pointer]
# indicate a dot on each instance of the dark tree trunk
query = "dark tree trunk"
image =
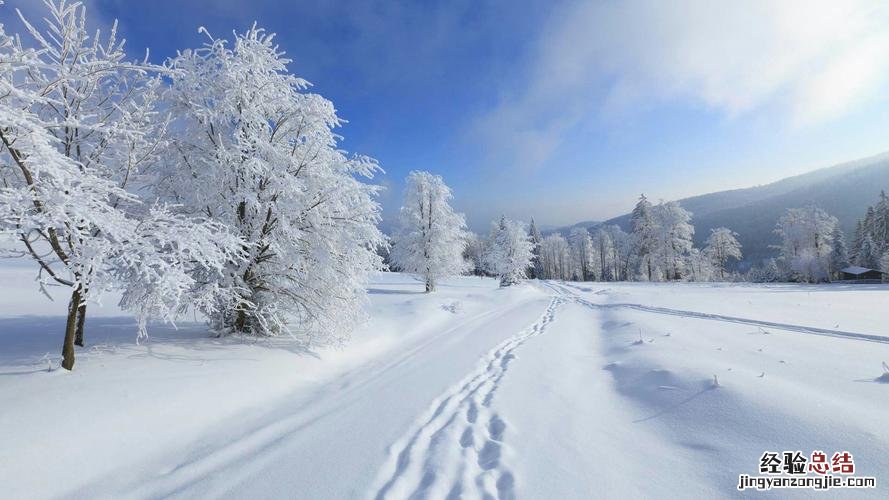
(430, 285)
(241, 321)
(81, 319)
(70, 328)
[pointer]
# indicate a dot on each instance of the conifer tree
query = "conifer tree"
(534, 271)
(509, 251)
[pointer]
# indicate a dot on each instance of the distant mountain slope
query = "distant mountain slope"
(845, 191)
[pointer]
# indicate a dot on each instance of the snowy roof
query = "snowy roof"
(857, 270)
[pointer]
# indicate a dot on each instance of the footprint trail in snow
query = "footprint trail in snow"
(456, 449)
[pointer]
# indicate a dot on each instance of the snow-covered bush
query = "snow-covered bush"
(509, 251)
(431, 236)
(768, 272)
(256, 152)
(81, 130)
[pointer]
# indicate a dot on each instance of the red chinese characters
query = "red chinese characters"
(842, 463)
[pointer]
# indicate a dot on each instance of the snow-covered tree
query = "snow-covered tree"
(534, 234)
(582, 253)
(857, 240)
(383, 248)
(431, 235)
(884, 263)
(871, 238)
(624, 256)
(645, 233)
(880, 226)
(474, 253)
(614, 252)
(604, 246)
(555, 257)
(876, 224)
(771, 272)
(839, 256)
(806, 236)
(700, 266)
(81, 129)
(722, 245)
(509, 251)
(868, 254)
(258, 153)
(674, 240)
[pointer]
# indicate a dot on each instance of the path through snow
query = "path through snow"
(538, 391)
(458, 446)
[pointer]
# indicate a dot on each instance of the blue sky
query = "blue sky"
(567, 110)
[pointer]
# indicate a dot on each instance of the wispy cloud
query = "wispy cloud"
(809, 61)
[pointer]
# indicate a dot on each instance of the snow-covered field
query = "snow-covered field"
(543, 390)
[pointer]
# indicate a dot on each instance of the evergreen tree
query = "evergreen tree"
(534, 234)
(857, 241)
(880, 225)
(869, 253)
(839, 256)
(509, 251)
(884, 263)
(871, 238)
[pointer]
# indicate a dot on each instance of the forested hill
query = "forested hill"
(844, 191)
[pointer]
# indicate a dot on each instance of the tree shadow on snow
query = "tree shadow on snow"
(882, 379)
(386, 291)
(37, 340)
(820, 287)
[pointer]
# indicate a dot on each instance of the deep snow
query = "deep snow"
(537, 391)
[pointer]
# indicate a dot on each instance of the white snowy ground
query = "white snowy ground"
(537, 391)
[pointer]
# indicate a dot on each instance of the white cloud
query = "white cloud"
(811, 60)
